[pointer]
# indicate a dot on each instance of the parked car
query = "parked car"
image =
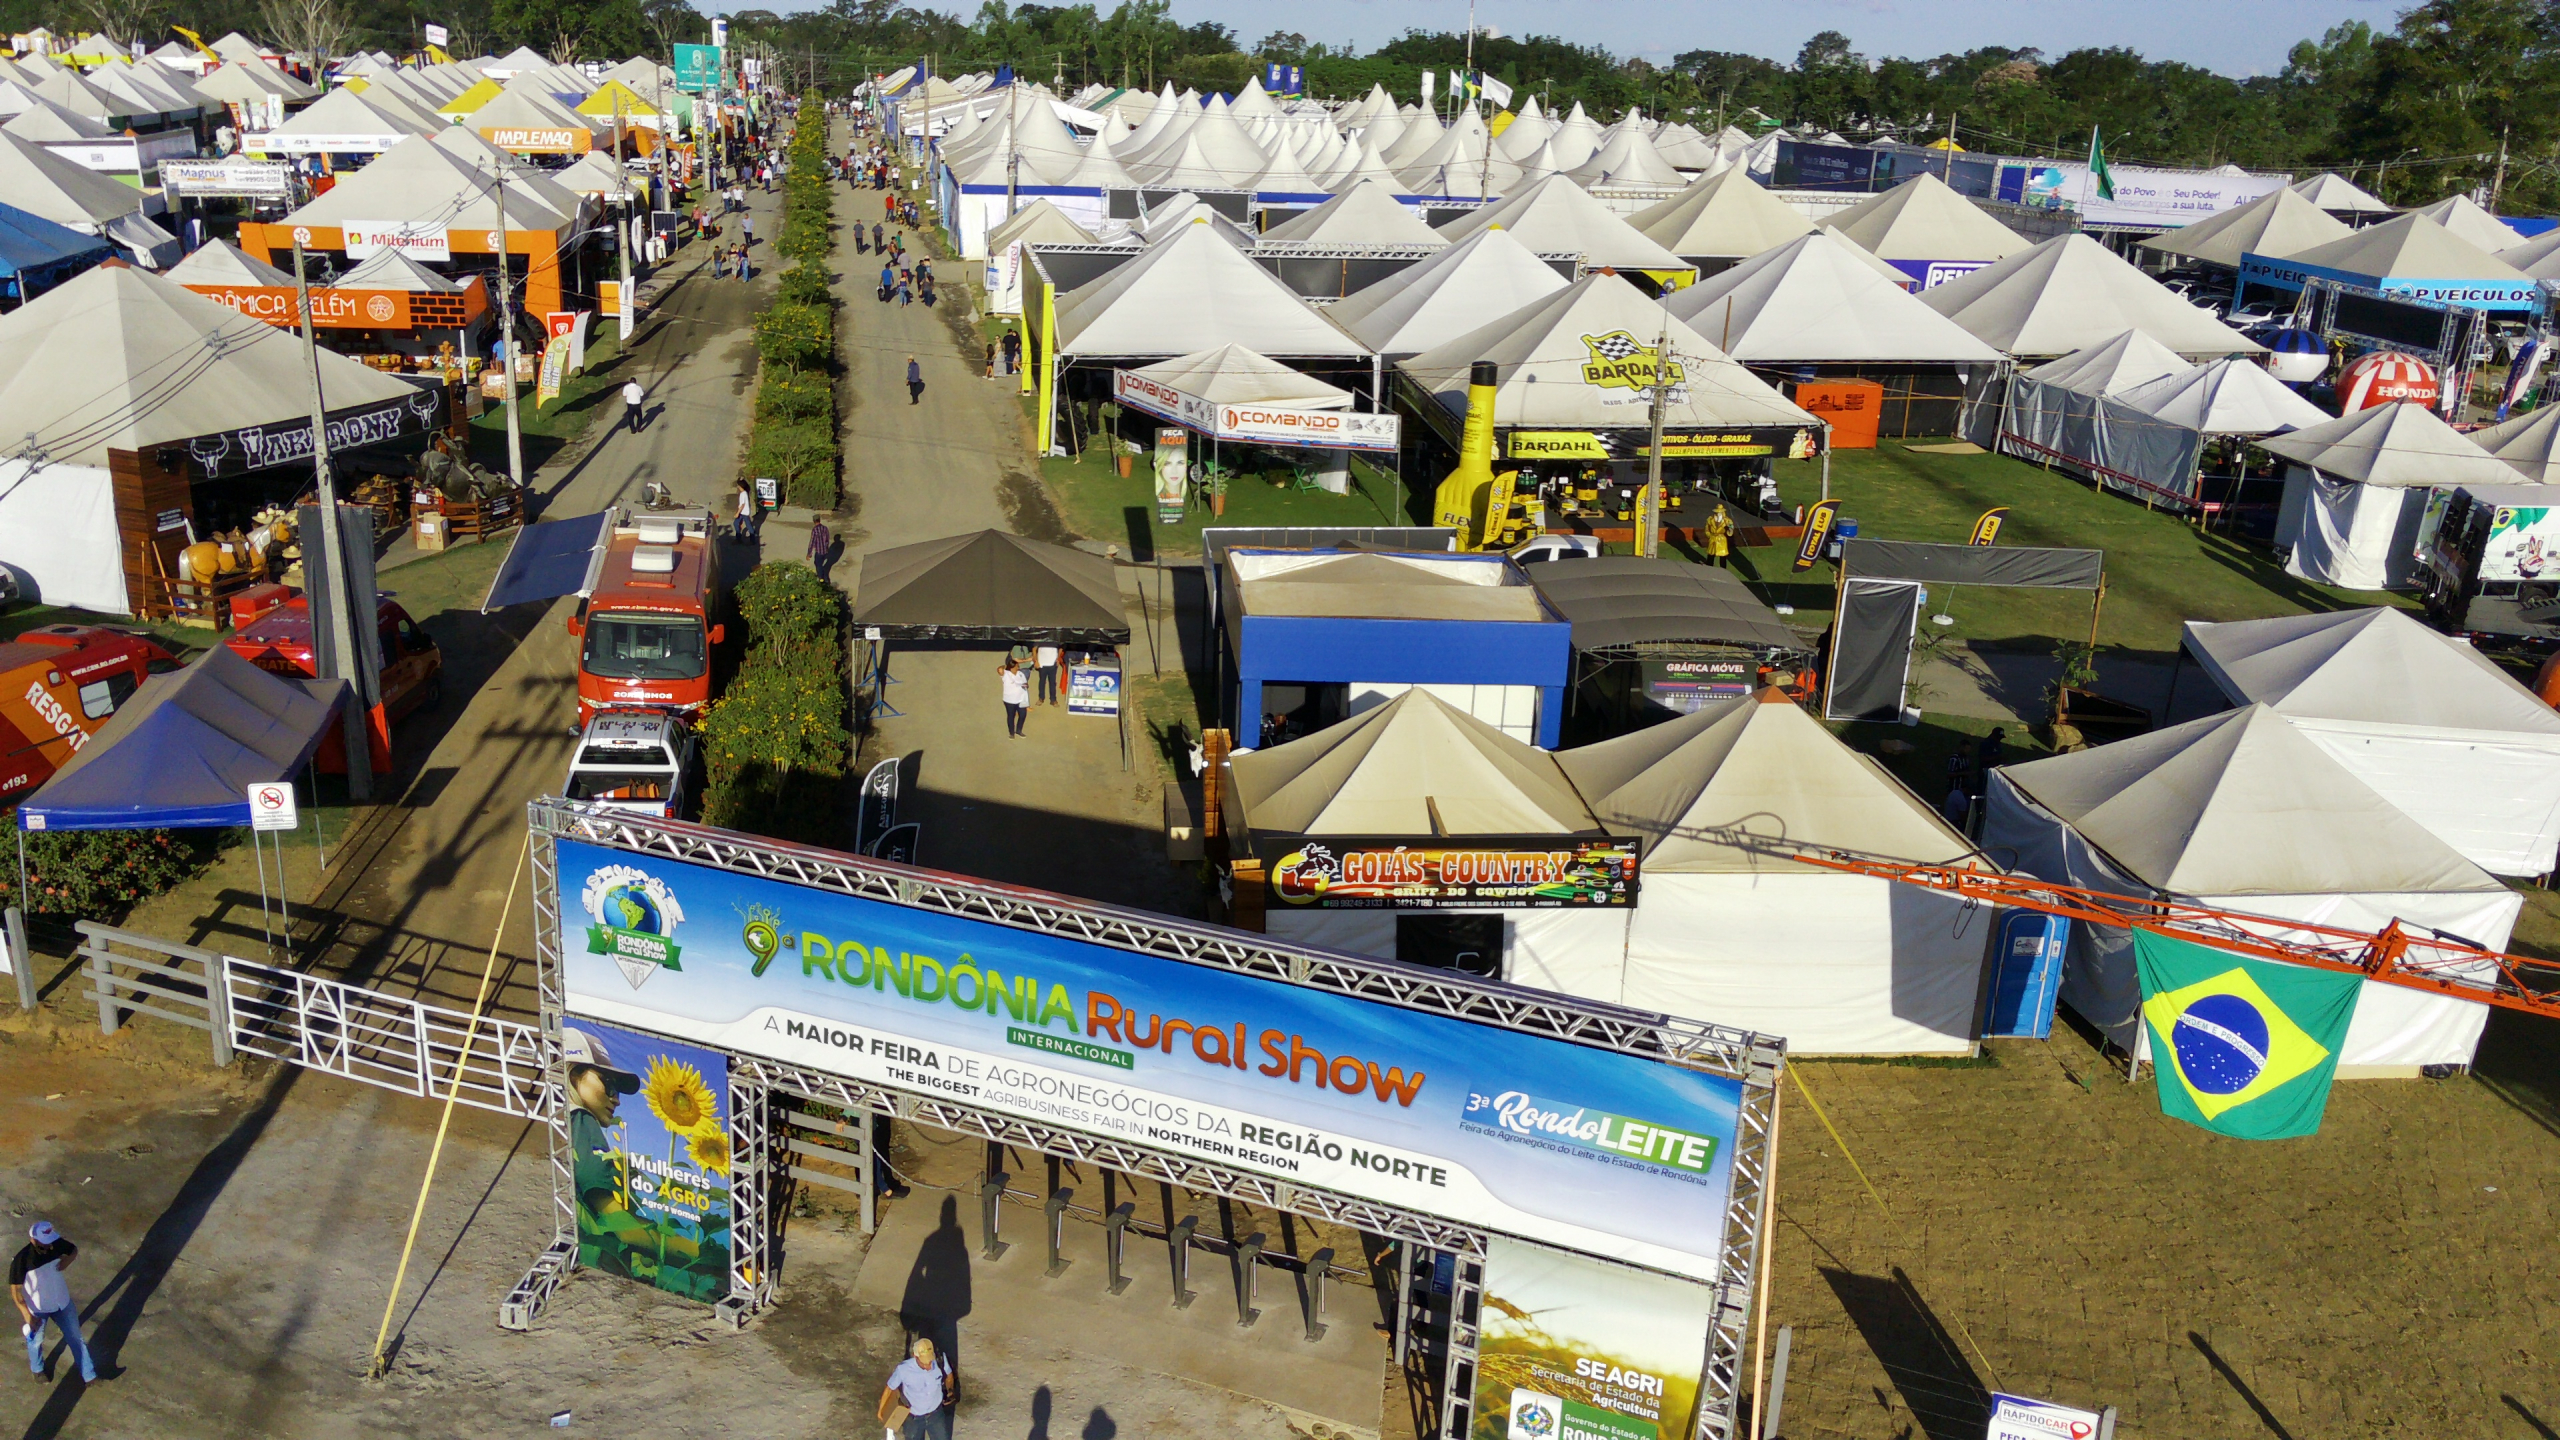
(1557, 547)
(636, 760)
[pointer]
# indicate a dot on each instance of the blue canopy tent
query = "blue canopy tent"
(36, 254)
(184, 750)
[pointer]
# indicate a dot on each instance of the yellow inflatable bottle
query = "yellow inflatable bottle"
(1459, 503)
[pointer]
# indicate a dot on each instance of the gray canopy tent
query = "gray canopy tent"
(1678, 635)
(1879, 607)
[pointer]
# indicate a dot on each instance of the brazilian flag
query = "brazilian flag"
(2242, 1047)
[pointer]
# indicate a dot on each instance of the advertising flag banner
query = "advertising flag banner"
(2242, 1047)
(1817, 533)
(649, 1158)
(1607, 1153)
(555, 368)
(1574, 1348)
(1986, 529)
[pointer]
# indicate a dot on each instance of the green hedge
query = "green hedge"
(775, 744)
(797, 337)
(790, 395)
(97, 874)
(802, 455)
(794, 438)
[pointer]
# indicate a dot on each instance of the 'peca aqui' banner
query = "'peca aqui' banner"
(1574, 1350)
(1590, 1149)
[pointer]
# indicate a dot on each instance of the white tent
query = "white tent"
(2070, 292)
(1726, 215)
(1557, 217)
(1628, 159)
(343, 122)
(1541, 352)
(2338, 195)
(2463, 216)
(2415, 247)
(1446, 296)
(1234, 375)
(1576, 139)
(1836, 963)
(2243, 812)
(2111, 366)
(1038, 223)
(2278, 224)
(220, 263)
(2357, 490)
(1815, 299)
(2530, 442)
(2538, 257)
(1193, 292)
(1921, 221)
(2434, 726)
(2225, 397)
(1366, 214)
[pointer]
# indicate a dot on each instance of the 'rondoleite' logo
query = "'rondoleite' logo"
(1518, 1115)
(636, 918)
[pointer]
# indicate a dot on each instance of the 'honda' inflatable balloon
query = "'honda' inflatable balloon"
(2385, 377)
(2296, 356)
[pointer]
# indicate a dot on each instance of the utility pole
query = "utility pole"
(1949, 176)
(1649, 514)
(623, 307)
(2499, 182)
(356, 722)
(507, 321)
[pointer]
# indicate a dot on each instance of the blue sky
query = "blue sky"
(2236, 37)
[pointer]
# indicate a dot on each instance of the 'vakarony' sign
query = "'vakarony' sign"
(1594, 1150)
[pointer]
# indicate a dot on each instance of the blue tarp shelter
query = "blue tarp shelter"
(184, 750)
(36, 254)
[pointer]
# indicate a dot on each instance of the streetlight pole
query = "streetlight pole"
(1649, 514)
(356, 721)
(507, 320)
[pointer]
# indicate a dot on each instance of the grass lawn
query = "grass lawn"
(548, 428)
(2161, 570)
(1097, 501)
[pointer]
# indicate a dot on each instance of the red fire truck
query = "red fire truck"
(651, 621)
(58, 686)
(279, 641)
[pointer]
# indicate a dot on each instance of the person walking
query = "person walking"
(917, 1401)
(877, 243)
(1017, 697)
(991, 360)
(746, 512)
(41, 1294)
(915, 382)
(822, 547)
(632, 398)
(1012, 351)
(906, 287)
(888, 282)
(1045, 660)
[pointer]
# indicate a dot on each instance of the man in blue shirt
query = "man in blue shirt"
(927, 1389)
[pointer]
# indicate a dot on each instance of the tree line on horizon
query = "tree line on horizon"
(2455, 95)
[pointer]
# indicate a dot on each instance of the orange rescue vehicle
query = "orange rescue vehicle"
(279, 641)
(58, 686)
(651, 622)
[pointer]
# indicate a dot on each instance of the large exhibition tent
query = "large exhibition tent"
(2530, 442)
(2463, 216)
(2339, 196)
(2434, 726)
(2279, 223)
(2069, 292)
(1814, 298)
(2120, 362)
(1234, 375)
(2357, 490)
(1725, 928)
(990, 586)
(1037, 223)
(2225, 397)
(1558, 217)
(1446, 296)
(1366, 214)
(1928, 232)
(1193, 292)
(2413, 256)
(1726, 216)
(2244, 812)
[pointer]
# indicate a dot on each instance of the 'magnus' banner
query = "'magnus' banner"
(1593, 1150)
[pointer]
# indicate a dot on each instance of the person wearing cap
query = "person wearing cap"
(610, 1232)
(36, 1284)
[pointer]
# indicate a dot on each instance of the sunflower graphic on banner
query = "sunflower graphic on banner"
(2242, 1047)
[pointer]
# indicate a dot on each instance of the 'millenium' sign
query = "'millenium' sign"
(1614, 1155)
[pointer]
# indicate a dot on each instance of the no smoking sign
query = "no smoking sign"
(271, 806)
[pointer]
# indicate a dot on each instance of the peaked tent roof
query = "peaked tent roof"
(1446, 296)
(2414, 246)
(2072, 291)
(219, 262)
(43, 120)
(1697, 790)
(1540, 351)
(1923, 219)
(1363, 164)
(2112, 366)
(1558, 217)
(1038, 223)
(44, 184)
(1577, 138)
(1387, 771)
(1234, 375)
(344, 112)
(2538, 257)
(2530, 442)
(1366, 214)
(1193, 292)
(1816, 298)
(2335, 193)
(392, 270)
(2463, 216)
(1726, 214)
(2376, 666)
(2226, 397)
(2279, 224)
(117, 358)
(2242, 803)
(1628, 158)
(2397, 445)
(31, 242)
(422, 177)
(991, 585)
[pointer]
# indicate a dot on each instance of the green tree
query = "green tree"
(2453, 83)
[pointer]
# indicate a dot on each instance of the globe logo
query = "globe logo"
(2221, 1044)
(633, 909)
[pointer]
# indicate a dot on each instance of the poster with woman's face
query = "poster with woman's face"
(649, 1155)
